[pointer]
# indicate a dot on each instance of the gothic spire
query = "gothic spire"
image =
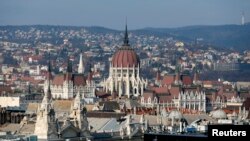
(80, 66)
(69, 67)
(49, 75)
(49, 92)
(126, 41)
(49, 65)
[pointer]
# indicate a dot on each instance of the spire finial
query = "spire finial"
(126, 42)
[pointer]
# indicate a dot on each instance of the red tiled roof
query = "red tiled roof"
(6, 89)
(161, 90)
(68, 76)
(165, 98)
(187, 80)
(58, 80)
(27, 78)
(148, 94)
(167, 80)
(79, 80)
(175, 91)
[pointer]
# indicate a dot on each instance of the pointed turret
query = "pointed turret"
(68, 75)
(77, 102)
(81, 65)
(69, 67)
(80, 117)
(90, 77)
(158, 77)
(196, 79)
(177, 80)
(49, 72)
(46, 102)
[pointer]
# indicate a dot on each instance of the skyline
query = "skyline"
(112, 13)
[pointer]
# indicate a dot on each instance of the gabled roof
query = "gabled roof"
(68, 125)
(110, 105)
(78, 79)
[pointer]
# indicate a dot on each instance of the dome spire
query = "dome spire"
(125, 42)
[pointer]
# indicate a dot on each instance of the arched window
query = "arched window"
(155, 100)
(142, 100)
(149, 100)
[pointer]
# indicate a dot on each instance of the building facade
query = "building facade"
(192, 101)
(67, 85)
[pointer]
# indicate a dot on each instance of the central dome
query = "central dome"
(125, 56)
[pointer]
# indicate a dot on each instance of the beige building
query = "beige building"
(48, 127)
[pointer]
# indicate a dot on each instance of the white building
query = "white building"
(192, 101)
(65, 86)
(124, 72)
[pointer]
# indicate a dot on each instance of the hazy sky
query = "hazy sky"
(112, 13)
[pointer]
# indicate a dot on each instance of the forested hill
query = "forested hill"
(230, 36)
(227, 36)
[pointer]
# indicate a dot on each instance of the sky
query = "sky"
(112, 13)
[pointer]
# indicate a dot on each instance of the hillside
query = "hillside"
(230, 36)
(227, 36)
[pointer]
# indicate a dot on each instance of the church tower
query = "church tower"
(46, 126)
(80, 117)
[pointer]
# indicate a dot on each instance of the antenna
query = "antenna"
(243, 18)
